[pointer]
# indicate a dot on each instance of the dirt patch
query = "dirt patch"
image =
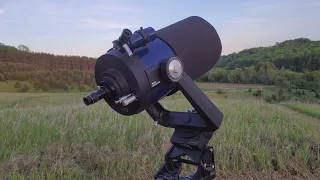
(314, 161)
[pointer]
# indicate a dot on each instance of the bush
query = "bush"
(268, 99)
(17, 85)
(258, 93)
(317, 95)
(274, 97)
(220, 91)
(25, 88)
(250, 90)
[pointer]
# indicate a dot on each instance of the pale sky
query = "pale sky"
(88, 27)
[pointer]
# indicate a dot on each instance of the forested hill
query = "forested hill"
(293, 64)
(297, 55)
(44, 61)
(22, 70)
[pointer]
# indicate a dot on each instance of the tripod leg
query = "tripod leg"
(206, 169)
(170, 169)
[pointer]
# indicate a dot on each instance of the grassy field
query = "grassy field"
(54, 136)
(308, 109)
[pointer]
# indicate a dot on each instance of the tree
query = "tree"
(216, 75)
(23, 48)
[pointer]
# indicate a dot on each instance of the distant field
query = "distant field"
(9, 86)
(308, 109)
(54, 136)
(228, 86)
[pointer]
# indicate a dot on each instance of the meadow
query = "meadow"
(55, 136)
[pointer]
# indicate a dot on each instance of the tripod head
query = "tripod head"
(145, 66)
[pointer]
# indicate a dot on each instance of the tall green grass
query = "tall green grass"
(70, 141)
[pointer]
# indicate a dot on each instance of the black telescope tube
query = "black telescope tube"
(196, 42)
(96, 96)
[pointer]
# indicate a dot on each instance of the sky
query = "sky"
(88, 27)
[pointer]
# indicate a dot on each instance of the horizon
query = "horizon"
(221, 54)
(80, 28)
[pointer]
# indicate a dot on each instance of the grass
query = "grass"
(9, 86)
(308, 109)
(54, 136)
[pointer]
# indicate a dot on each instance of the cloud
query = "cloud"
(1, 11)
(95, 24)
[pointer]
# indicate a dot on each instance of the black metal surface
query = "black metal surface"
(196, 42)
(202, 104)
(96, 96)
(130, 77)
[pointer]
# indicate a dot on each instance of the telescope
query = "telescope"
(146, 66)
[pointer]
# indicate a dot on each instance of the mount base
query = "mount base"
(191, 150)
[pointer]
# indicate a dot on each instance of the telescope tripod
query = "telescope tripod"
(189, 145)
(192, 144)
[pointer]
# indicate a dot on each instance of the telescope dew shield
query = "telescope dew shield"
(196, 42)
(134, 66)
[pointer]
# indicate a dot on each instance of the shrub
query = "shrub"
(25, 88)
(220, 91)
(258, 93)
(250, 90)
(17, 85)
(268, 99)
(274, 97)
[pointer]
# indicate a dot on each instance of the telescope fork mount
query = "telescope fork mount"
(193, 130)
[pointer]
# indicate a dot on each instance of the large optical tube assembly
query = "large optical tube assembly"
(146, 66)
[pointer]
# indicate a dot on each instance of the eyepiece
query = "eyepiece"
(96, 96)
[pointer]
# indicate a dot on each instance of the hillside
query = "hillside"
(293, 66)
(296, 55)
(24, 71)
(44, 61)
(292, 63)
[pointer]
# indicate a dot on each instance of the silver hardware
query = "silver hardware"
(128, 100)
(155, 123)
(122, 98)
(175, 69)
(127, 49)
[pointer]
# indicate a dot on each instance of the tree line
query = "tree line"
(293, 63)
(44, 61)
(298, 55)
